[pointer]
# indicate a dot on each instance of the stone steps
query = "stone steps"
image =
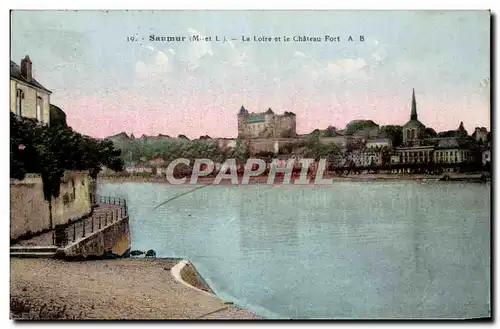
(33, 251)
(21, 254)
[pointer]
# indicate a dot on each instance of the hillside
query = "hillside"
(357, 126)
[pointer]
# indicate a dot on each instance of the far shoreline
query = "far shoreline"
(469, 178)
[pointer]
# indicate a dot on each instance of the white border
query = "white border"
(256, 4)
(186, 4)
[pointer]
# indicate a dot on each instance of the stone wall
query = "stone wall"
(271, 144)
(225, 143)
(340, 141)
(30, 212)
(285, 124)
(111, 241)
(262, 145)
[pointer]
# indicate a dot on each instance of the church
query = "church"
(416, 148)
(413, 149)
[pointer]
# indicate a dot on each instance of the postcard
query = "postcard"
(250, 165)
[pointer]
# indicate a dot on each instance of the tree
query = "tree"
(50, 159)
(430, 133)
(330, 131)
(359, 125)
(386, 156)
(52, 170)
(394, 133)
(265, 154)
(315, 132)
(353, 144)
(57, 116)
(50, 150)
(240, 152)
(317, 150)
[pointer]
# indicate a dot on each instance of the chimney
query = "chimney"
(26, 68)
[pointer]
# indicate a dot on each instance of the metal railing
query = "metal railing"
(110, 210)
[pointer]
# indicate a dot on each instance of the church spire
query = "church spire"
(413, 107)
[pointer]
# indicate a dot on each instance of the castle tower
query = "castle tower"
(270, 126)
(242, 119)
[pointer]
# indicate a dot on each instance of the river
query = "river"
(350, 250)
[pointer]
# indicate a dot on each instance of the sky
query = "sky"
(108, 84)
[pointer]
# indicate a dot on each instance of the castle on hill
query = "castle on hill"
(266, 124)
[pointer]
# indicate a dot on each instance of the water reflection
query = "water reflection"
(267, 218)
(350, 250)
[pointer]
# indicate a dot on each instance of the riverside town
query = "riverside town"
(363, 149)
(292, 174)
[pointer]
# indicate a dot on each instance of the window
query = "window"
(19, 101)
(73, 196)
(39, 109)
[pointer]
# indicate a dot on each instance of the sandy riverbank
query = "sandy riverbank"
(111, 290)
(277, 180)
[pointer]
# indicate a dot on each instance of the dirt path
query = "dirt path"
(110, 289)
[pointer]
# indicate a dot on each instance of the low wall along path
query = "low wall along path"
(104, 233)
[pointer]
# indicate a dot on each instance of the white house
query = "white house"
(378, 143)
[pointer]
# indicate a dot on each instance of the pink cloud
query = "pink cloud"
(216, 115)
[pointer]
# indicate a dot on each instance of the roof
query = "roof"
(447, 143)
(378, 140)
(120, 135)
(410, 148)
(414, 124)
(15, 72)
(269, 111)
(243, 111)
